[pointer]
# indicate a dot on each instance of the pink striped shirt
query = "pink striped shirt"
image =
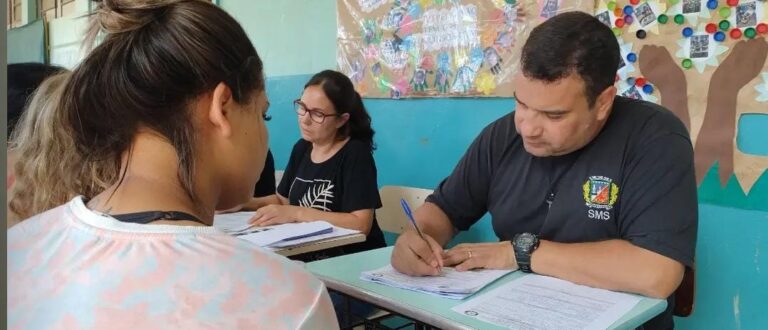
(71, 268)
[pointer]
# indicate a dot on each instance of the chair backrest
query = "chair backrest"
(278, 177)
(390, 216)
(684, 295)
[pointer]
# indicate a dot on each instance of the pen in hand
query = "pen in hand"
(408, 213)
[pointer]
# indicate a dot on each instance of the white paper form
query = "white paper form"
(233, 222)
(336, 232)
(269, 235)
(277, 236)
(541, 302)
(450, 283)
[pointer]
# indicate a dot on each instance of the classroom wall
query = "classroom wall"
(66, 34)
(66, 40)
(420, 141)
(311, 46)
(27, 43)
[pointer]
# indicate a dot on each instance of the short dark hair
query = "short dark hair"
(572, 42)
(341, 92)
(23, 80)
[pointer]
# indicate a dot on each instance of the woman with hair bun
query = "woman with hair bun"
(174, 93)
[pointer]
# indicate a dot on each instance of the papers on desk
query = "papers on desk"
(277, 236)
(233, 222)
(333, 233)
(540, 302)
(450, 283)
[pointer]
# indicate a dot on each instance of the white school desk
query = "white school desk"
(342, 274)
(321, 245)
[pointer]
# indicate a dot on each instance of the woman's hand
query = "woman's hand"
(275, 214)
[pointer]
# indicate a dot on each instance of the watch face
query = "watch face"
(525, 240)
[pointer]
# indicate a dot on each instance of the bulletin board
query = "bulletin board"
(705, 60)
(438, 48)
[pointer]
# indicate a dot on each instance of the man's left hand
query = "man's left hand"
(481, 255)
(274, 214)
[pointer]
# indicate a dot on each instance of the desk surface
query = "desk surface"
(343, 274)
(321, 245)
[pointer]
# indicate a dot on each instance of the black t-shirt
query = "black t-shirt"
(346, 182)
(266, 184)
(635, 181)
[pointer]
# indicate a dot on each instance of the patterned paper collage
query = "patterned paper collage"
(702, 59)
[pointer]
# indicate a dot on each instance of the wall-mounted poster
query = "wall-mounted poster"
(438, 48)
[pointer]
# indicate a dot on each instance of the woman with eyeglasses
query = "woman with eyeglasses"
(331, 174)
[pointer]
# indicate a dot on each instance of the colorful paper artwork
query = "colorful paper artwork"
(434, 48)
(701, 48)
(720, 51)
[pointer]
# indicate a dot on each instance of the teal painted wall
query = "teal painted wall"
(732, 275)
(27, 43)
(292, 36)
(420, 141)
(750, 125)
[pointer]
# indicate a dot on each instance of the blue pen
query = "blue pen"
(408, 213)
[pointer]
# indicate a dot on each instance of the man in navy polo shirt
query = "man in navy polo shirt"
(581, 184)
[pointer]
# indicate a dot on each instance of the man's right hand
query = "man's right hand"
(412, 256)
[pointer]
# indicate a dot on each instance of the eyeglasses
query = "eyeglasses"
(315, 114)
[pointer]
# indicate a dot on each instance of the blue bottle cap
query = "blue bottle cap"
(648, 89)
(719, 36)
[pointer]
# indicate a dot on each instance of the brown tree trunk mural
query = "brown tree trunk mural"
(659, 68)
(715, 139)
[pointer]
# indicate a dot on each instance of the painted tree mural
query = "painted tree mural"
(705, 60)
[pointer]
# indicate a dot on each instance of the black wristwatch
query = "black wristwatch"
(524, 244)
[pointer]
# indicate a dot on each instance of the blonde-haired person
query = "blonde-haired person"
(174, 92)
(42, 148)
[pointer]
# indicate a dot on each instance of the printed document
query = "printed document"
(233, 222)
(450, 283)
(277, 236)
(541, 302)
(335, 232)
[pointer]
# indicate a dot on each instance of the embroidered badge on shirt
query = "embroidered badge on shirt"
(600, 193)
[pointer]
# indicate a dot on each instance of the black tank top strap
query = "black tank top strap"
(150, 216)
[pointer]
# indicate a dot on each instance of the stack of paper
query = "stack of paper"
(277, 236)
(450, 283)
(296, 241)
(233, 222)
(540, 302)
